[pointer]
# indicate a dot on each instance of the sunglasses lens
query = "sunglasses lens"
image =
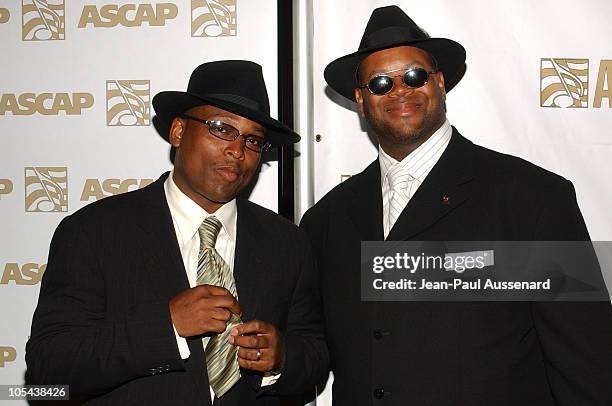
(380, 84)
(415, 77)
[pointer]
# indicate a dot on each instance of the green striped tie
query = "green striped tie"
(221, 356)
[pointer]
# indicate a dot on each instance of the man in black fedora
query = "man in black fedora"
(430, 183)
(180, 293)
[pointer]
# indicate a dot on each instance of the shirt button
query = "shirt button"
(378, 334)
(379, 393)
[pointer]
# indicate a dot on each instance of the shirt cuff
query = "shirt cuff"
(182, 344)
(269, 379)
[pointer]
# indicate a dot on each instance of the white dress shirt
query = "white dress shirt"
(416, 166)
(187, 216)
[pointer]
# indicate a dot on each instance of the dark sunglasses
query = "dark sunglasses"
(227, 132)
(411, 78)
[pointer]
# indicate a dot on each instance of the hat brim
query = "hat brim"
(450, 57)
(171, 104)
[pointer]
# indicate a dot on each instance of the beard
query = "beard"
(399, 133)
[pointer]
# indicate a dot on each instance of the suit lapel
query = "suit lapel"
(365, 208)
(166, 268)
(249, 273)
(165, 262)
(443, 190)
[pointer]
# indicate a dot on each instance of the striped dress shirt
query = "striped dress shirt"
(404, 177)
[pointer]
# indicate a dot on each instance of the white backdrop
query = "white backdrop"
(153, 47)
(498, 102)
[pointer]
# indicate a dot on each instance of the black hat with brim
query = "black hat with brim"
(390, 27)
(235, 86)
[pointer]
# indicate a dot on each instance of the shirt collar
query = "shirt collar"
(420, 161)
(188, 215)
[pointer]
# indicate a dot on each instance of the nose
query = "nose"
(399, 88)
(236, 148)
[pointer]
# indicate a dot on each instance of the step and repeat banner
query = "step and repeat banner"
(76, 121)
(538, 85)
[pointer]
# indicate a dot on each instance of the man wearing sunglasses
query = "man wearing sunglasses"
(180, 293)
(431, 184)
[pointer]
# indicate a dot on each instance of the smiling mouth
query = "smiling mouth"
(404, 109)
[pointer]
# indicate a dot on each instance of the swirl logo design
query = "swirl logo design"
(43, 20)
(128, 103)
(5, 15)
(564, 83)
(213, 18)
(46, 189)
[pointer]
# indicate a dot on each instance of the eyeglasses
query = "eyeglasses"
(412, 78)
(226, 132)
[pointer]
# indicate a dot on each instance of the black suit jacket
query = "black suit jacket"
(470, 353)
(103, 326)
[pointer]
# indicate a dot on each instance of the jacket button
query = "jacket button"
(379, 393)
(378, 334)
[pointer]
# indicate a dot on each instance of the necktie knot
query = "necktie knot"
(398, 178)
(209, 230)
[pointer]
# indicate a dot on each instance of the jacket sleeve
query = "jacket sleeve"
(74, 342)
(576, 337)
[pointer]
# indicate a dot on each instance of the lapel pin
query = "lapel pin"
(445, 200)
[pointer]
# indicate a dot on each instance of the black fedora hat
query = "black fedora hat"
(235, 86)
(390, 27)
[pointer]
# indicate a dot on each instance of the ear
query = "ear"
(440, 82)
(359, 98)
(177, 129)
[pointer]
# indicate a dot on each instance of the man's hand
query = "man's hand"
(261, 346)
(203, 309)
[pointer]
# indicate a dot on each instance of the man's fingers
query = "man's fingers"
(220, 297)
(260, 366)
(208, 290)
(217, 326)
(250, 341)
(228, 302)
(252, 327)
(221, 314)
(251, 354)
(234, 307)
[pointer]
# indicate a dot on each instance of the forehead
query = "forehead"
(211, 112)
(394, 58)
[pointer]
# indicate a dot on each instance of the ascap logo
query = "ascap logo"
(46, 189)
(213, 18)
(43, 20)
(6, 187)
(5, 15)
(604, 77)
(7, 354)
(564, 83)
(128, 102)
(26, 274)
(94, 188)
(127, 15)
(48, 104)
